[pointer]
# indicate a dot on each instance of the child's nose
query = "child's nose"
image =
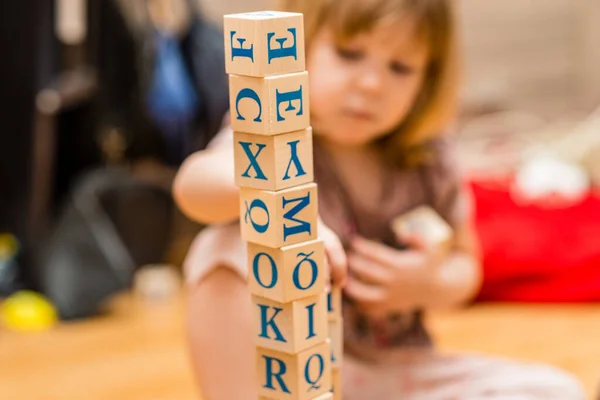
(370, 81)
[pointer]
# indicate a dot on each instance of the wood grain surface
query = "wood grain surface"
(137, 351)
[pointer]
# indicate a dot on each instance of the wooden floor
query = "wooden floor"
(138, 352)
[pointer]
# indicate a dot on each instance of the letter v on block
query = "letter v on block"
(273, 162)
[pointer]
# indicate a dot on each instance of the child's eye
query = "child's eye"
(401, 68)
(350, 55)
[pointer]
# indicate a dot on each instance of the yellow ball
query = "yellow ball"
(27, 311)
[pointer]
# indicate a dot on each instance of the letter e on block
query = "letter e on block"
(290, 327)
(302, 376)
(278, 219)
(269, 106)
(273, 162)
(288, 273)
(264, 43)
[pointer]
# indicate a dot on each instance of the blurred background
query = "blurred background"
(99, 107)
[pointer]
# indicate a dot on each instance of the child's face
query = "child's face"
(362, 89)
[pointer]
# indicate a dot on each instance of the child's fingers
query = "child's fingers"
(336, 255)
(368, 271)
(367, 295)
(413, 241)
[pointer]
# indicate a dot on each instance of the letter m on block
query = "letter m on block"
(291, 224)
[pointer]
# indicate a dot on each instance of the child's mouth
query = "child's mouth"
(359, 115)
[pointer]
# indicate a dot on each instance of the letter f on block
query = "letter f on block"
(253, 160)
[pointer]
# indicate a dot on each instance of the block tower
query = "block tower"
(270, 118)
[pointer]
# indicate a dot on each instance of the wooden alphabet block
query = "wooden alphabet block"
(288, 273)
(336, 383)
(302, 376)
(264, 43)
(334, 303)
(326, 396)
(273, 162)
(269, 106)
(427, 224)
(290, 327)
(278, 219)
(336, 337)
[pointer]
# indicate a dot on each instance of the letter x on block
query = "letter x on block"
(288, 273)
(264, 43)
(281, 218)
(273, 162)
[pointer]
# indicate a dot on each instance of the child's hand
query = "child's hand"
(335, 253)
(383, 279)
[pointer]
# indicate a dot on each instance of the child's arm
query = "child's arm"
(386, 280)
(205, 189)
(220, 334)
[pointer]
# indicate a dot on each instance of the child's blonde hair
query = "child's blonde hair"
(434, 106)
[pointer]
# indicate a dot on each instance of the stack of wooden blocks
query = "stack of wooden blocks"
(297, 358)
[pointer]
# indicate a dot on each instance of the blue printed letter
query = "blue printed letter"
(265, 323)
(252, 157)
(260, 204)
(313, 382)
(295, 160)
(240, 51)
(313, 269)
(288, 97)
(270, 374)
(248, 94)
(302, 226)
(282, 52)
(311, 320)
(255, 268)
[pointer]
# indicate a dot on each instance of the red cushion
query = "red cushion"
(536, 254)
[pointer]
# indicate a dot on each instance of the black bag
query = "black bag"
(111, 224)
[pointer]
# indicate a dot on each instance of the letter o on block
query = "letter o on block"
(288, 273)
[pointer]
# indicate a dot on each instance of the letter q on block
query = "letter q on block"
(288, 273)
(269, 106)
(264, 43)
(281, 218)
(290, 327)
(273, 162)
(302, 376)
